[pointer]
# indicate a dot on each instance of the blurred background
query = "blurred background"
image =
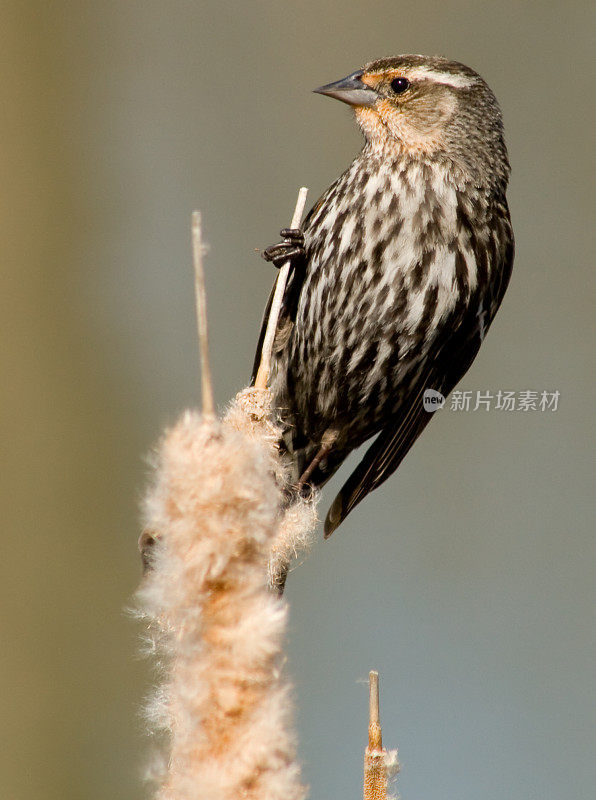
(468, 580)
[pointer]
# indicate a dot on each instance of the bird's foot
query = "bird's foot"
(290, 249)
(329, 439)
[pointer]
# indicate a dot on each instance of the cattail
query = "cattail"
(217, 628)
(212, 514)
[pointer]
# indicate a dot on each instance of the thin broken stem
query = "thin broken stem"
(379, 764)
(265, 365)
(201, 306)
(375, 740)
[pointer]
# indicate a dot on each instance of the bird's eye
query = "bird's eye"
(399, 85)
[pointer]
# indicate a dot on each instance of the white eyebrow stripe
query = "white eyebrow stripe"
(457, 81)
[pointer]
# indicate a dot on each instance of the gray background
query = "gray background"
(468, 579)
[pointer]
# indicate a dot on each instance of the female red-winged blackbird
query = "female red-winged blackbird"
(398, 274)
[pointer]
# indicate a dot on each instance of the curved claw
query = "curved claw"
(293, 235)
(282, 252)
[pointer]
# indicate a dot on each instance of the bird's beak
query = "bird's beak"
(350, 90)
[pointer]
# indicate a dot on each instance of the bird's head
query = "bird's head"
(427, 106)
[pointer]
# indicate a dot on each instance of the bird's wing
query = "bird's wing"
(445, 366)
(383, 457)
(468, 325)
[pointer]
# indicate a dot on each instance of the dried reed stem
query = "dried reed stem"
(198, 249)
(280, 285)
(379, 764)
(299, 519)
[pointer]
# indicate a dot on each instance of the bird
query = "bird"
(395, 275)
